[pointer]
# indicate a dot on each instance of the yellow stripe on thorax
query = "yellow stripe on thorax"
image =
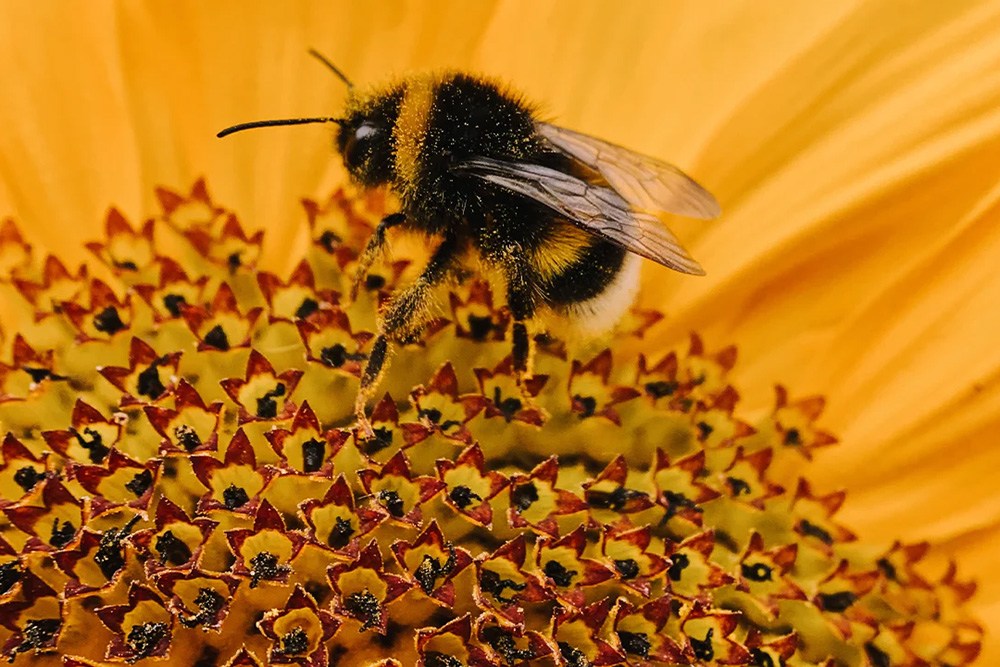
(563, 246)
(411, 128)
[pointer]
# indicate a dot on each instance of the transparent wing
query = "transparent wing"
(646, 183)
(597, 209)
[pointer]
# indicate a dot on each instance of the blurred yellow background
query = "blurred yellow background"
(852, 145)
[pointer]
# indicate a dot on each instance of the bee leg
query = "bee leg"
(376, 242)
(402, 322)
(521, 349)
(369, 382)
(522, 307)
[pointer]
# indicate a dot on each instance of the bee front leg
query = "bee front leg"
(402, 322)
(376, 242)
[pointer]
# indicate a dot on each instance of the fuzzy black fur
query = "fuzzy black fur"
(473, 117)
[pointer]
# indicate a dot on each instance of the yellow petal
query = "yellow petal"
(852, 145)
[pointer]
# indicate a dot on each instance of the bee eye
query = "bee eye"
(364, 130)
(358, 143)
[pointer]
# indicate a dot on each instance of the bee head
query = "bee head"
(365, 138)
(365, 135)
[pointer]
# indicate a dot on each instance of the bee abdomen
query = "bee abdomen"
(597, 288)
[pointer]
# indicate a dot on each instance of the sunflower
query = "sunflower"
(851, 146)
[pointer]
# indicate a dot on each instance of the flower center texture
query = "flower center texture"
(182, 480)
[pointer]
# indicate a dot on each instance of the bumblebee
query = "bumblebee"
(561, 216)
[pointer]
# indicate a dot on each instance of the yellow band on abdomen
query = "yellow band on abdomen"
(563, 246)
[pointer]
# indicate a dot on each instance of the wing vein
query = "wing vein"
(601, 210)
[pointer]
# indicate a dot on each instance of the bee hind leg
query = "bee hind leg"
(402, 322)
(522, 308)
(521, 349)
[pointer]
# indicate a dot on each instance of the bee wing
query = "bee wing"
(597, 209)
(646, 183)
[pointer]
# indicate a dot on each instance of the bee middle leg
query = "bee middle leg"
(403, 321)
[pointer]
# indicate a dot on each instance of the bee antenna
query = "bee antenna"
(272, 123)
(319, 56)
